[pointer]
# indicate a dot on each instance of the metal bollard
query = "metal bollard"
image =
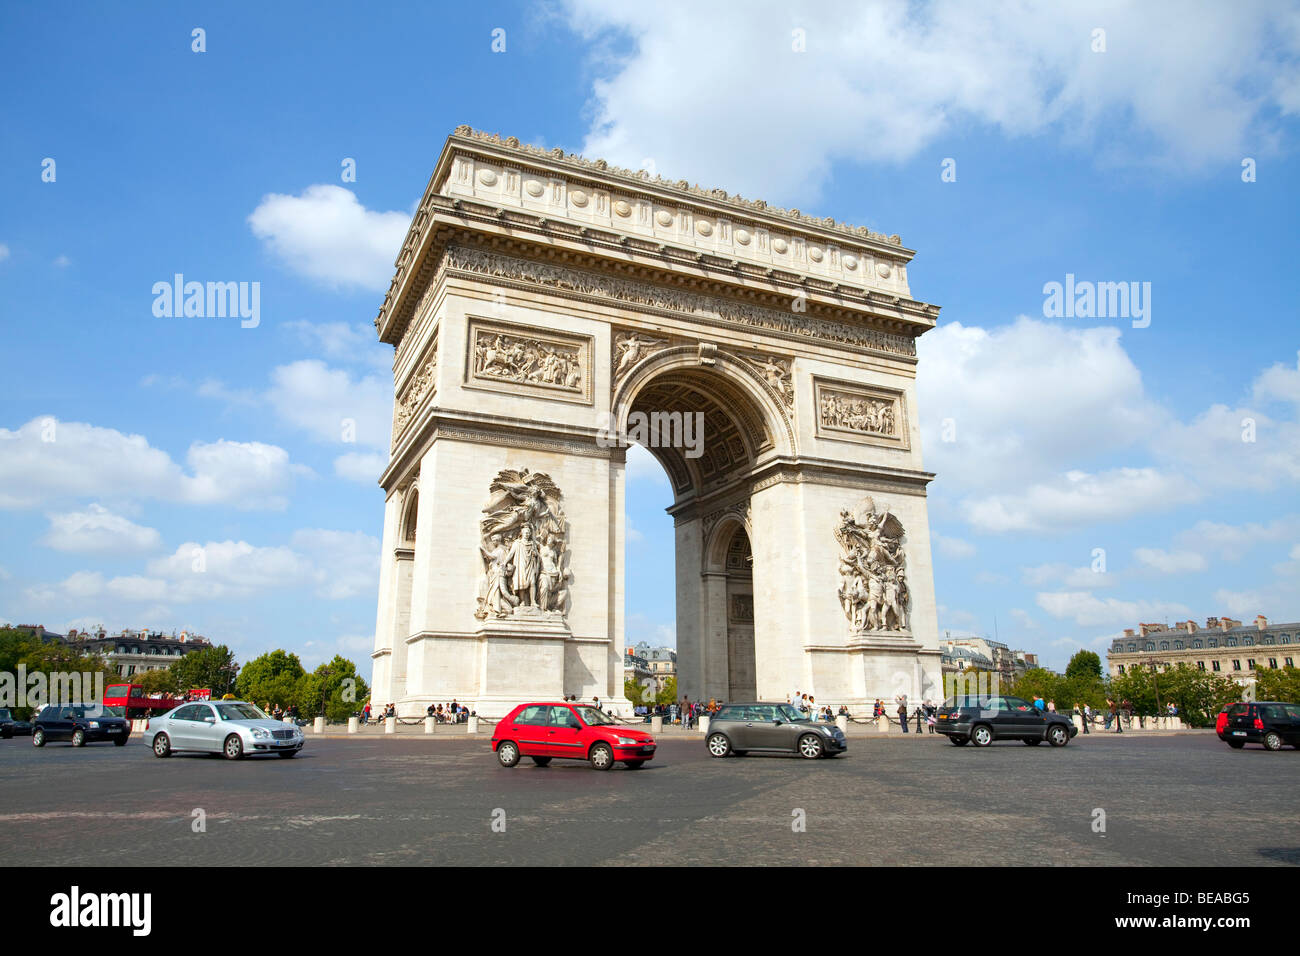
(352, 725)
(318, 725)
(842, 722)
(390, 725)
(656, 725)
(428, 724)
(472, 725)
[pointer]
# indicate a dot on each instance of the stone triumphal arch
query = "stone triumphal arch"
(545, 308)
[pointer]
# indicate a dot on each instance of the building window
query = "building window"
(1236, 665)
(1200, 665)
(1230, 642)
(1197, 645)
(1121, 668)
(1248, 641)
(1285, 639)
(1216, 665)
(1178, 645)
(1272, 663)
(1268, 639)
(1214, 642)
(1250, 664)
(1164, 645)
(1132, 648)
(1288, 662)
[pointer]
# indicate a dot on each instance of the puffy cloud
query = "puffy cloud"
(344, 563)
(323, 401)
(91, 585)
(46, 460)
(1278, 383)
(953, 547)
(1171, 562)
(98, 530)
(881, 82)
(363, 467)
(328, 236)
(1062, 575)
(229, 569)
(1088, 610)
(643, 466)
(345, 342)
(1230, 542)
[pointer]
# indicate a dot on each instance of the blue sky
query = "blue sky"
(1071, 435)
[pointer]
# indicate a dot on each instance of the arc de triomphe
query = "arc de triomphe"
(544, 306)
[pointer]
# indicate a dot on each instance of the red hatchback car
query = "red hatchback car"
(574, 731)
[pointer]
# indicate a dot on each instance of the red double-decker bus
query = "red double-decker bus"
(130, 700)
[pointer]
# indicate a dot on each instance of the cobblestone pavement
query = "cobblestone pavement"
(1175, 799)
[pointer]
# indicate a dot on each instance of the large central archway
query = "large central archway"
(742, 427)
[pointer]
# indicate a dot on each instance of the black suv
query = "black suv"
(982, 720)
(1268, 722)
(79, 723)
(11, 726)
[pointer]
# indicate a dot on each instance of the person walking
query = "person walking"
(902, 713)
(1115, 715)
(1085, 712)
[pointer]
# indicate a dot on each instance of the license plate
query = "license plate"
(943, 716)
(1238, 733)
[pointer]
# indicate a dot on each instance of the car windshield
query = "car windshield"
(4, 714)
(788, 713)
(240, 712)
(952, 703)
(593, 717)
(84, 710)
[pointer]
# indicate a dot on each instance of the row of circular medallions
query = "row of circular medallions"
(623, 209)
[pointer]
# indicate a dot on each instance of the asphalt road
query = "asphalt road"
(1169, 800)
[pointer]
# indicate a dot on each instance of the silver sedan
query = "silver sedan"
(229, 727)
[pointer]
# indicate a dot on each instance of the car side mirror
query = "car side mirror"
(778, 721)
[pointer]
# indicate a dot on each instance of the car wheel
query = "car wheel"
(1057, 735)
(162, 746)
(601, 757)
(286, 754)
(958, 741)
(78, 738)
(540, 761)
(982, 735)
(634, 764)
(1032, 741)
(120, 741)
(7, 734)
(1235, 744)
(233, 748)
(507, 753)
(719, 745)
(38, 738)
(1272, 741)
(810, 746)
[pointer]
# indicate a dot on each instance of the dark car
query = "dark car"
(11, 726)
(1268, 722)
(982, 720)
(739, 728)
(79, 723)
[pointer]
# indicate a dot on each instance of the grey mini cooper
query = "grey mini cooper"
(232, 728)
(739, 728)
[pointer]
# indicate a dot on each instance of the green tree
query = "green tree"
(272, 678)
(669, 692)
(57, 663)
(212, 667)
(1084, 664)
(1278, 683)
(334, 687)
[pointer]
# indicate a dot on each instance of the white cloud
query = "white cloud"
(345, 342)
(98, 530)
(1278, 383)
(4, 252)
(882, 82)
(1080, 499)
(1088, 610)
(344, 563)
(363, 467)
(321, 400)
(953, 547)
(1024, 618)
(92, 585)
(1063, 575)
(1229, 542)
(229, 569)
(327, 235)
(1171, 562)
(46, 460)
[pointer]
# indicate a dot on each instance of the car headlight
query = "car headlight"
(627, 740)
(828, 731)
(94, 725)
(260, 733)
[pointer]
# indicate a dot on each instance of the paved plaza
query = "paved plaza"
(1173, 799)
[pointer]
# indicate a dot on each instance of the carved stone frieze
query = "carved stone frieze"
(422, 384)
(861, 413)
(524, 547)
(777, 372)
(523, 360)
(494, 265)
(873, 574)
(629, 349)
